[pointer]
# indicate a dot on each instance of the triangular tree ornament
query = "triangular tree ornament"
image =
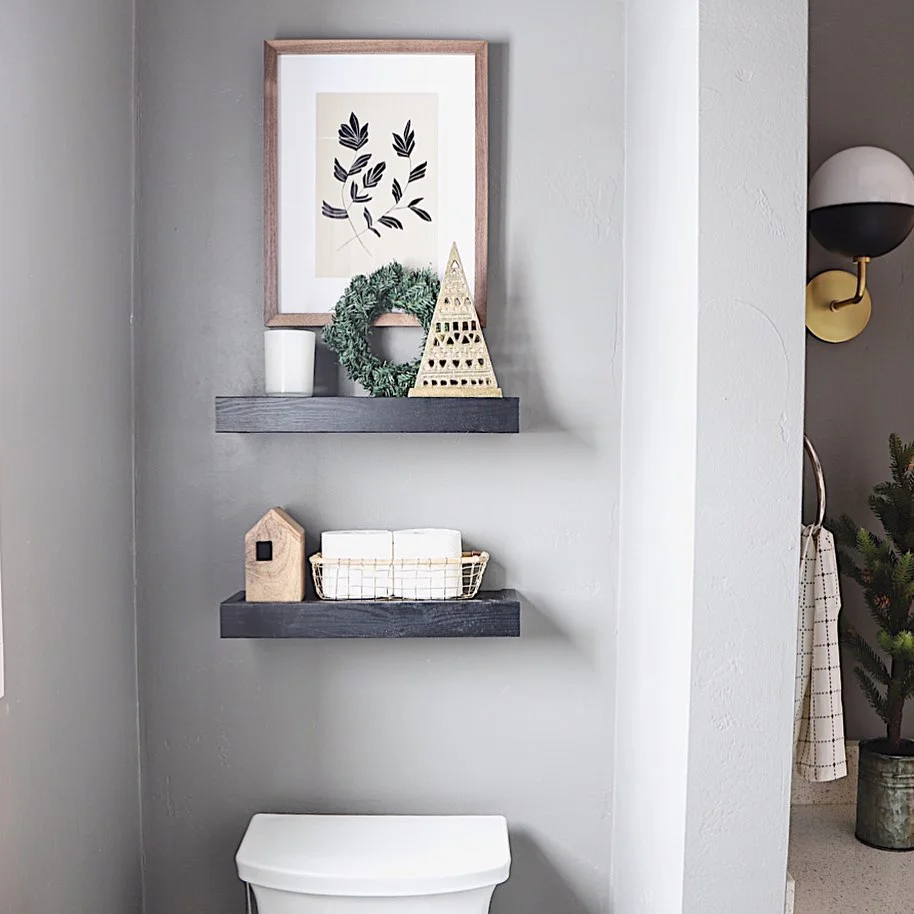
(456, 361)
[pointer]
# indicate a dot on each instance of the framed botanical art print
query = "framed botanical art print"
(374, 151)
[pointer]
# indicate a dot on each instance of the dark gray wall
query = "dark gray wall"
(522, 728)
(69, 799)
(861, 72)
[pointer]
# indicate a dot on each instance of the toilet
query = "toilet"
(374, 864)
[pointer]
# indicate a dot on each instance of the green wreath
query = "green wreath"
(365, 299)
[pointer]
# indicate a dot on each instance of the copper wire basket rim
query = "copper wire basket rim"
(467, 558)
(472, 567)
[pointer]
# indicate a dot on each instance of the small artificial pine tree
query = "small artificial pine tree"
(886, 574)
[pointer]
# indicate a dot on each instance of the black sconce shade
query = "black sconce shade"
(862, 229)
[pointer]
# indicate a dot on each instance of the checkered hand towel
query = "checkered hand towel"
(818, 719)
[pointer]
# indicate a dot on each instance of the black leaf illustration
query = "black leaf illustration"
(372, 177)
(358, 197)
(400, 146)
(359, 164)
(347, 138)
(333, 212)
(350, 143)
(409, 138)
(421, 213)
(353, 135)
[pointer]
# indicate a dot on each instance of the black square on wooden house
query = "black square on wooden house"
(264, 551)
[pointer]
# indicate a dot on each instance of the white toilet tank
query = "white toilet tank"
(374, 864)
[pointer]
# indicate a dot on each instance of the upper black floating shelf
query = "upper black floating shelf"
(454, 415)
(492, 614)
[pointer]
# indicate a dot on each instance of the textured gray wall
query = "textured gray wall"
(69, 801)
(860, 73)
(522, 728)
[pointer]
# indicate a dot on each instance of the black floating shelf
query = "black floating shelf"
(453, 415)
(492, 614)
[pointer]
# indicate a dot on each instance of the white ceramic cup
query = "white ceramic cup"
(289, 361)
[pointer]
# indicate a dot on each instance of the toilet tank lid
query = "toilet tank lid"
(378, 856)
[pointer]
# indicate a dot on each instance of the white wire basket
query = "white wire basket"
(401, 579)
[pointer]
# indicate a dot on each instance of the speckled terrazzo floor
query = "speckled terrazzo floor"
(835, 873)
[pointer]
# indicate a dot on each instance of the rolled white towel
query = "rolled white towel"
(343, 578)
(424, 576)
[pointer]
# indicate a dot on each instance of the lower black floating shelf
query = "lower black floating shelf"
(492, 614)
(450, 415)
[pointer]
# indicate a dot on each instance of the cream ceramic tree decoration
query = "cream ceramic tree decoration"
(456, 360)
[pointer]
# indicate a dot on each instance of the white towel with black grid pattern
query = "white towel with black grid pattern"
(818, 720)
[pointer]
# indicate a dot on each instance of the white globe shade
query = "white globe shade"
(862, 174)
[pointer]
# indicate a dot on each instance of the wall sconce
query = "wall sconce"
(861, 205)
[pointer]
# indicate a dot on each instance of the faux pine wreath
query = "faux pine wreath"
(365, 299)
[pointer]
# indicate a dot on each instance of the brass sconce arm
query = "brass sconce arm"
(861, 286)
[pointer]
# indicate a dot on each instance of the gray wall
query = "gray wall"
(860, 74)
(522, 728)
(69, 802)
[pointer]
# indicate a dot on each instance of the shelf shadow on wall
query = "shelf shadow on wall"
(326, 371)
(534, 623)
(516, 362)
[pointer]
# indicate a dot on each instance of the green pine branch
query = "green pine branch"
(849, 568)
(898, 647)
(903, 572)
(844, 531)
(908, 686)
(867, 658)
(893, 502)
(873, 695)
(880, 609)
(872, 548)
(883, 566)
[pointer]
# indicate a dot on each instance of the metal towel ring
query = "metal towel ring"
(820, 480)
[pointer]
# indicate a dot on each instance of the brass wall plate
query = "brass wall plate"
(847, 321)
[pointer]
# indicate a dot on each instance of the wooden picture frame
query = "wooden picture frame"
(274, 51)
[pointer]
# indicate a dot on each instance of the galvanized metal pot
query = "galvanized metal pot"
(885, 796)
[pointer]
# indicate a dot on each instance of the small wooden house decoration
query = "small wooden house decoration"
(456, 360)
(274, 559)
